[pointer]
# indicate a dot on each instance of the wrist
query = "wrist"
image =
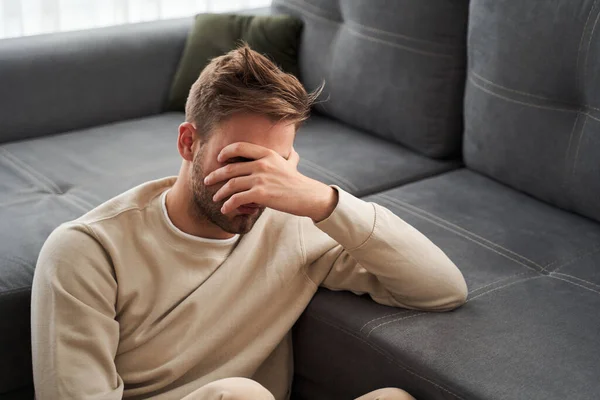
(326, 199)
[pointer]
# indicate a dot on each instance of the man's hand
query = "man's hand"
(271, 181)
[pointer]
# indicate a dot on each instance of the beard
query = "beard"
(205, 208)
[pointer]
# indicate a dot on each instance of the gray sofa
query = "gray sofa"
(478, 123)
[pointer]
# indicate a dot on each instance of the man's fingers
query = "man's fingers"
(234, 185)
(294, 157)
(229, 171)
(243, 149)
(239, 199)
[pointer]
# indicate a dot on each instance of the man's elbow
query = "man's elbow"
(454, 297)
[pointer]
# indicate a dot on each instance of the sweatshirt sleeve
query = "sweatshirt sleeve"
(371, 250)
(73, 327)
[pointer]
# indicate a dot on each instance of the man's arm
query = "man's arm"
(73, 327)
(376, 252)
(373, 251)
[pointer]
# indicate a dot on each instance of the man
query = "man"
(188, 287)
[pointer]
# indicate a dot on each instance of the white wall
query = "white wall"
(31, 17)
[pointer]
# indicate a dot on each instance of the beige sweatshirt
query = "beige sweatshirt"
(126, 305)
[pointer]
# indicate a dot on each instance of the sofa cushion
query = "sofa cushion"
(359, 163)
(529, 329)
(66, 81)
(532, 107)
(395, 69)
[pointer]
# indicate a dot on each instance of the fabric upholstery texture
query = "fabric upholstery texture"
(528, 331)
(385, 71)
(215, 34)
(361, 164)
(67, 81)
(532, 100)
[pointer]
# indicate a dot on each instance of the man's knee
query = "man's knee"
(387, 394)
(231, 389)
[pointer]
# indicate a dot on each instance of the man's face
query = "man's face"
(250, 128)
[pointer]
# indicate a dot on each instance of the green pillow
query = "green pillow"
(216, 34)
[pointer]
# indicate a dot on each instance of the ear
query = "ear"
(186, 139)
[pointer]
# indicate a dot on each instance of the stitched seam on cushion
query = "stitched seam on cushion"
(576, 284)
(384, 317)
(471, 239)
(484, 293)
(23, 199)
(520, 102)
(23, 169)
(41, 178)
(397, 45)
(471, 292)
(320, 11)
(577, 69)
(410, 206)
(331, 174)
(498, 281)
(579, 256)
(587, 53)
(384, 354)
(394, 320)
(17, 259)
(81, 201)
(574, 277)
(401, 36)
(307, 12)
(587, 114)
(331, 17)
(576, 256)
(567, 175)
(575, 106)
(521, 92)
(576, 158)
(15, 290)
(357, 33)
(74, 202)
(504, 286)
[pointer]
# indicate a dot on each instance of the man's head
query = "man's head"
(239, 97)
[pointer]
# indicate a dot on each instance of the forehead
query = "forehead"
(256, 129)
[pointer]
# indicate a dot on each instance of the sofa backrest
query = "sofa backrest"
(532, 105)
(60, 82)
(393, 68)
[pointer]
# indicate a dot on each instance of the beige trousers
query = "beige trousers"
(247, 389)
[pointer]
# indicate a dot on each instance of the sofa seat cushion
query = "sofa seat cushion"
(92, 165)
(358, 162)
(528, 330)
